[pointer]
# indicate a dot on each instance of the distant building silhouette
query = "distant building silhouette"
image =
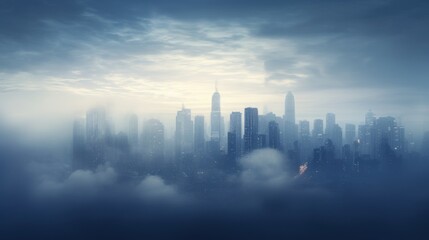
(235, 149)
(350, 134)
(199, 135)
(216, 119)
(317, 133)
(305, 140)
(153, 140)
(330, 124)
(290, 130)
(274, 135)
(184, 134)
(250, 129)
(97, 135)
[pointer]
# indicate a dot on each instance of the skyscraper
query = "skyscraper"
(337, 140)
(350, 134)
(184, 133)
(305, 140)
(215, 119)
(96, 135)
(330, 124)
(250, 129)
(232, 145)
(317, 133)
(153, 140)
(290, 130)
(274, 135)
(370, 118)
(235, 128)
(199, 138)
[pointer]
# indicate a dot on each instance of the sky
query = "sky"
(58, 58)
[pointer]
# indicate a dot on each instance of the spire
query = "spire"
(216, 85)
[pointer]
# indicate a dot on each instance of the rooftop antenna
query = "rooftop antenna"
(216, 85)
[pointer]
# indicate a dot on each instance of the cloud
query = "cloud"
(80, 184)
(154, 189)
(264, 169)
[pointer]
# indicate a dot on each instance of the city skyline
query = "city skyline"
(214, 119)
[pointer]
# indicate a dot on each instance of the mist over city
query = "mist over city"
(214, 119)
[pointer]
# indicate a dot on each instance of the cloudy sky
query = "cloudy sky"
(58, 58)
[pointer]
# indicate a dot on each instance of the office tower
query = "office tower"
(223, 137)
(317, 133)
(199, 135)
(274, 135)
(370, 118)
(250, 129)
(387, 132)
(232, 145)
(350, 132)
(330, 124)
(215, 120)
(184, 135)
(262, 141)
(290, 130)
(133, 130)
(367, 137)
(281, 123)
(153, 140)
(305, 140)
(337, 140)
(79, 144)
(235, 128)
(96, 135)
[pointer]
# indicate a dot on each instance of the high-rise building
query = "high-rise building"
(215, 119)
(133, 130)
(305, 140)
(153, 140)
(290, 130)
(317, 133)
(330, 124)
(350, 132)
(262, 141)
(199, 135)
(184, 135)
(370, 118)
(274, 135)
(337, 140)
(235, 128)
(250, 129)
(97, 132)
(232, 145)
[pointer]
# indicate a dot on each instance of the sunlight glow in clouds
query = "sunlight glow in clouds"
(151, 64)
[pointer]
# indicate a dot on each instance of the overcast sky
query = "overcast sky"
(59, 57)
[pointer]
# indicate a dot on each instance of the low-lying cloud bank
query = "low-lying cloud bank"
(264, 200)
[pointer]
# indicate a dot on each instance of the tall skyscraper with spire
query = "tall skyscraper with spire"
(215, 119)
(290, 134)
